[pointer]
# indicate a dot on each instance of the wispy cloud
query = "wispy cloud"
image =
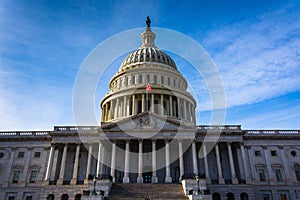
(258, 59)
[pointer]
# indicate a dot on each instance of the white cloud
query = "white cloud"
(258, 59)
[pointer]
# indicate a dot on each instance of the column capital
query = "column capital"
(140, 140)
(280, 147)
(168, 140)
(265, 147)
(153, 140)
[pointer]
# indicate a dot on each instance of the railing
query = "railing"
(75, 128)
(24, 133)
(220, 127)
(273, 132)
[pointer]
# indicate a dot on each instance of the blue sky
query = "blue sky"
(255, 45)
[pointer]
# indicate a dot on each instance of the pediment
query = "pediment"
(146, 122)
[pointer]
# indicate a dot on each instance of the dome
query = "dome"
(148, 52)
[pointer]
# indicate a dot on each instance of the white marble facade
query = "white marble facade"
(149, 137)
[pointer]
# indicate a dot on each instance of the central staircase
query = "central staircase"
(146, 191)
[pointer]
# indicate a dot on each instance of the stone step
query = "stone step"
(142, 191)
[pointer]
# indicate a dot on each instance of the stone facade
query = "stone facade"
(150, 137)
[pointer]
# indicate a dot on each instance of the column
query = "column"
(268, 164)
(62, 166)
(170, 107)
(162, 104)
(110, 116)
(195, 165)
(140, 176)
(206, 163)
(106, 111)
(285, 166)
(246, 170)
(193, 114)
(88, 167)
(128, 106)
(49, 164)
(133, 105)
(191, 111)
(168, 178)
(54, 165)
(125, 106)
(116, 115)
(152, 103)
(184, 110)
(127, 162)
(154, 176)
(181, 165)
(220, 174)
(26, 165)
(143, 102)
(75, 168)
(9, 167)
(113, 161)
(98, 171)
(232, 170)
(178, 108)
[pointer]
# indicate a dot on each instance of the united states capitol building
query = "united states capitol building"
(148, 146)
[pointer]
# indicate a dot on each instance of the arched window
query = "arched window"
(244, 196)
(64, 197)
(297, 171)
(216, 196)
(50, 197)
(78, 197)
(230, 196)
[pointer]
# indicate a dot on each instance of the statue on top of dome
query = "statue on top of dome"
(148, 21)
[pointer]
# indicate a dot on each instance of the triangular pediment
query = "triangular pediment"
(147, 121)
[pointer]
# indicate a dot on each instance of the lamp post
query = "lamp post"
(94, 193)
(198, 181)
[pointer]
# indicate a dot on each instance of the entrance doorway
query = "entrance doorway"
(147, 177)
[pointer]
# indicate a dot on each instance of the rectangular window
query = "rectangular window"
(37, 154)
(133, 79)
(257, 153)
(16, 177)
(21, 154)
(155, 79)
(148, 78)
(29, 198)
(273, 153)
(33, 176)
(140, 79)
(261, 174)
(162, 80)
(11, 198)
(169, 81)
(278, 174)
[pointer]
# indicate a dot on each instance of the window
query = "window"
(273, 153)
(140, 79)
(126, 81)
(148, 78)
(33, 176)
(293, 153)
(257, 153)
(261, 174)
(155, 79)
(11, 198)
(278, 175)
(16, 177)
(29, 198)
(162, 80)
(1, 154)
(169, 81)
(132, 79)
(20, 154)
(297, 171)
(37, 154)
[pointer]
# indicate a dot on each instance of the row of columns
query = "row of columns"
(120, 107)
(168, 179)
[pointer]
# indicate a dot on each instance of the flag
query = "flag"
(148, 88)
